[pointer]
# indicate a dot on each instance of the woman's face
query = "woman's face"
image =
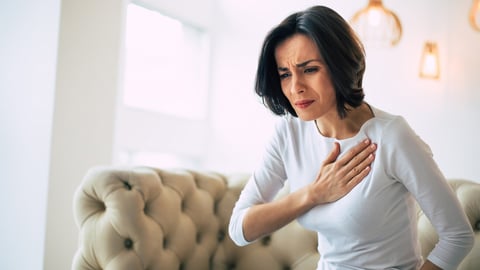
(305, 79)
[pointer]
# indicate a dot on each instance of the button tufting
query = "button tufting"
(128, 243)
(165, 243)
(127, 185)
(103, 206)
(266, 240)
(220, 235)
(199, 238)
(183, 206)
(215, 208)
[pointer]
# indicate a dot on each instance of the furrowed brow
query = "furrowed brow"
(301, 65)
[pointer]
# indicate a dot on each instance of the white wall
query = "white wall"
(198, 13)
(28, 43)
(460, 119)
(83, 124)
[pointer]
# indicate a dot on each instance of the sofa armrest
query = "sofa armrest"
(468, 194)
(139, 218)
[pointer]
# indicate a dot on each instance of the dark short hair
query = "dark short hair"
(340, 48)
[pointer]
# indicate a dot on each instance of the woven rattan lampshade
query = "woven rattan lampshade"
(377, 25)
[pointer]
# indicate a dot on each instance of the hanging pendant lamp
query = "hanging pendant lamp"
(377, 25)
(475, 15)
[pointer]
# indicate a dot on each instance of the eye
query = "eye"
(311, 69)
(284, 75)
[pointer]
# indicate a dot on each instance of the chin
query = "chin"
(304, 117)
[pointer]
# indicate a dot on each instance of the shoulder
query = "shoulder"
(290, 126)
(386, 118)
(291, 132)
(390, 125)
(397, 134)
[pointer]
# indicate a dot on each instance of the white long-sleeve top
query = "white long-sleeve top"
(375, 225)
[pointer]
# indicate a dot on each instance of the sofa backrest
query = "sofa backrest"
(148, 218)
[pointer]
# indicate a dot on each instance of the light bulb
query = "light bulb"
(430, 63)
(374, 16)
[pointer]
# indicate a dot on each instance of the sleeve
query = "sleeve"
(262, 186)
(412, 163)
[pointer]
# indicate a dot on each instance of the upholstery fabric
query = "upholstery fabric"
(149, 218)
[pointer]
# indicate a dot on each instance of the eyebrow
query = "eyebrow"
(300, 65)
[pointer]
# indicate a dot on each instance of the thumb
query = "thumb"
(333, 155)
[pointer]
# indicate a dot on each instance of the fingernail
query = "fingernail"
(366, 141)
(373, 146)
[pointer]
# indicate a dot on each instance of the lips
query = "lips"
(302, 104)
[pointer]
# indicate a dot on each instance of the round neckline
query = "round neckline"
(360, 131)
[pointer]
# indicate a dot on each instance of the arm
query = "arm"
(335, 179)
(413, 165)
(428, 265)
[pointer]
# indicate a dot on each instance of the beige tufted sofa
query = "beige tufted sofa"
(148, 218)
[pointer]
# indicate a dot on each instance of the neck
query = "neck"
(335, 127)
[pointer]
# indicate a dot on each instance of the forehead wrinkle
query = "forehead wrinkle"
(301, 65)
(297, 51)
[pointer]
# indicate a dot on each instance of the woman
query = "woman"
(361, 199)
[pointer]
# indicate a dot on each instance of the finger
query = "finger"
(358, 169)
(333, 155)
(360, 157)
(358, 178)
(354, 151)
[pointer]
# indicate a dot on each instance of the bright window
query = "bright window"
(162, 116)
(165, 65)
(156, 159)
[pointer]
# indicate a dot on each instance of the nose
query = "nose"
(298, 85)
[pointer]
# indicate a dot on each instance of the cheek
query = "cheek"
(326, 88)
(284, 88)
